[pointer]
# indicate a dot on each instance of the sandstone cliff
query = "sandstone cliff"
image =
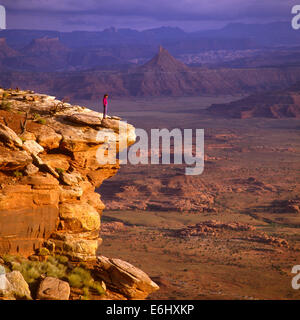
(49, 172)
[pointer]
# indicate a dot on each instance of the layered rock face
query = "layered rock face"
(272, 104)
(49, 169)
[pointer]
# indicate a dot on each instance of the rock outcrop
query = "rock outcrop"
(124, 278)
(212, 228)
(49, 169)
(270, 104)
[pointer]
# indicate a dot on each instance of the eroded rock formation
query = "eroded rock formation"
(49, 171)
(126, 279)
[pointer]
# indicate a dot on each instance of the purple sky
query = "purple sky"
(68, 15)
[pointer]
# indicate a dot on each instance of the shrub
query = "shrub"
(57, 267)
(43, 252)
(59, 170)
(86, 293)
(80, 278)
(98, 287)
(5, 95)
(6, 105)
(41, 121)
(61, 259)
(18, 174)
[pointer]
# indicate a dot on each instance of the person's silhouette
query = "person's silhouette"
(105, 102)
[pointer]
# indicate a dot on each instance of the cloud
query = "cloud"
(153, 11)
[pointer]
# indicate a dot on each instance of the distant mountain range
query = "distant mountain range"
(236, 35)
(35, 50)
(163, 75)
(237, 59)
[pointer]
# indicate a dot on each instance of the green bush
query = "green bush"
(43, 252)
(98, 287)
(32, 270)
(6, 105)
(59, 170)
(41, 121)
(57, 267)
(86, 293)
(80, 278)
(61, 259)
(18, 174)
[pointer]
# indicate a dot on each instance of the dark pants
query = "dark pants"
(104, 111)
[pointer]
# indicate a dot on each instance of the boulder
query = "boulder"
(53, 289)
(3, 280)
(48, 138)
(124, 278)
(116, 125)
(28, 136)
(44, 166)
(71, 179)
(31, 169)
(11, 160)
(85, 119)
(15, 287)
(33, 147)
(8, 136)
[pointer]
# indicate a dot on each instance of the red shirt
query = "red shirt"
(105, 101)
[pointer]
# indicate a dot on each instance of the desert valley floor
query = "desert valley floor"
(230, 233)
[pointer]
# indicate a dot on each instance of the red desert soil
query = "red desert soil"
(230, 233)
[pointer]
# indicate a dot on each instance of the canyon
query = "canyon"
(163, 75)
(229, 233)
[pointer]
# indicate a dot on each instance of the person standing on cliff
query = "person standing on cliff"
(105, 101)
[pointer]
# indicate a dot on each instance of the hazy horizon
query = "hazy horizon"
(189, 15)
(146, 29)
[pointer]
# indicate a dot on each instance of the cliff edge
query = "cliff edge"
(49, 172)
